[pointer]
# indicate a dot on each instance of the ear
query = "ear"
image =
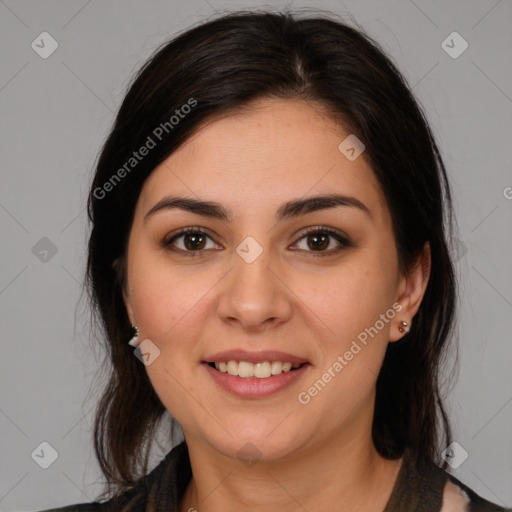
(411, 291)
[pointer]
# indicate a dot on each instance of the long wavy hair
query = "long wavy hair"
(223, 64)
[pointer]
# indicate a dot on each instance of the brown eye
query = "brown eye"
(193, 240)
(320, 239)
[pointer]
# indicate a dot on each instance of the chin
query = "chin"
(256, 443)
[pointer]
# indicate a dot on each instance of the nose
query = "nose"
(254, 295)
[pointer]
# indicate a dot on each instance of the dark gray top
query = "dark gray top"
(418, 488)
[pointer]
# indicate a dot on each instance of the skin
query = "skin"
(319, 456)
(454, 499)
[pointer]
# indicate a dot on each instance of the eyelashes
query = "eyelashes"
(186, 232)
(199, 241)
(342, 240)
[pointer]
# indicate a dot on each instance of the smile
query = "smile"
(255, 386)
(247, 370)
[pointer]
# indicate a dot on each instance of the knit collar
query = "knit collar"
(419, 485)
(162, 489)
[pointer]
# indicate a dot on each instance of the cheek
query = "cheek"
(358, 306)
(169, 300)
(350, 297)
(170, 306)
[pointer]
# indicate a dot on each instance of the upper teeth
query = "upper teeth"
(261, 370)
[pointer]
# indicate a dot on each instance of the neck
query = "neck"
(344, 474)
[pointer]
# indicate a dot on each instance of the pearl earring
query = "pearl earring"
(401, 329)
(134, 342)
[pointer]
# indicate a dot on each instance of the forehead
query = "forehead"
(272, 151)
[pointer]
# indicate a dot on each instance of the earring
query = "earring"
(134, 342)
(401, 329)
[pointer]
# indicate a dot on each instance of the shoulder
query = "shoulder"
(125, 501)
(166, 480)
(458, 497)
(424, 486)
(81, 507)
(455, 499)
(132, 497)
(111, 505)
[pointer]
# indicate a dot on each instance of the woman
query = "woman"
(268, 219)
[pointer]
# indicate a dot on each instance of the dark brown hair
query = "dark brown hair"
(224, 64)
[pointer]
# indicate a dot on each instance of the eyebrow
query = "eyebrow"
(293, 208)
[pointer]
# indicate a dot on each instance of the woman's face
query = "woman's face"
(257, 284)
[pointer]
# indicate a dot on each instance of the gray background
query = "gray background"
(55, 114)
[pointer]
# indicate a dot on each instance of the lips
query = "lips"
(248, 375)
(254, 357)
(254, 387)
